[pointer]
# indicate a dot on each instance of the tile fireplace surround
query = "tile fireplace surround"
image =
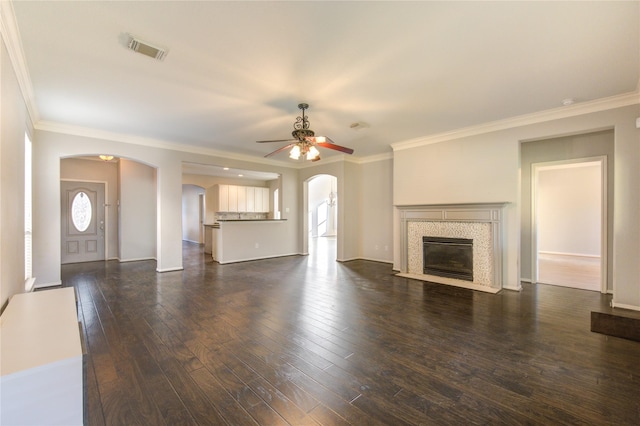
(481, 222)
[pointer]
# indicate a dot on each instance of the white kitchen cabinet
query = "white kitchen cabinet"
(233, 198)
(265, 200)
(240, 199)
(223, 198)
(251, 199)
(258, 200)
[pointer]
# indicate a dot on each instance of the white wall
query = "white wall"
(486, 168)
(13, 125)
(479, 169)
(50, 146)
(191, 213)
(95, 170)
(376, 198)
(568, 210)
(138, 209)
(365, 212)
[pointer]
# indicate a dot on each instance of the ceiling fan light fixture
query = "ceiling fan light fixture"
(313, 153)
(305, 140)
(295, 152)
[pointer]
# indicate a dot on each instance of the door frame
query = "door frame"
(604, 221)
(306, 226)
(201, 217)
(104, 207)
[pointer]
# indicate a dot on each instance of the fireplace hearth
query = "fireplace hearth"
(448, 257)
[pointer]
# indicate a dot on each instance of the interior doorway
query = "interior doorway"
(321, 224)
(569, 223)
(193, 213)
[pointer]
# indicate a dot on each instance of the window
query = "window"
(28, 251)
(322, 219)
(81, 211)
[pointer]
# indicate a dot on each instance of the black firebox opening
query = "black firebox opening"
(448, 257)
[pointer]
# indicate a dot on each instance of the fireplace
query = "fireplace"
(480, 224)
(448, 257)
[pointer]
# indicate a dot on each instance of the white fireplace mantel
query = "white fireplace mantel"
(482, 222)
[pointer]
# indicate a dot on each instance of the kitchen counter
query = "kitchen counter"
(239, 240)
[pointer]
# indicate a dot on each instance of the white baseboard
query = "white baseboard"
(191, 241)
(624, 306)
(136, 259)
(29, 284)
(257, 258)
(559, 253)
(51, 284)
(512, 288)
(177, 268)
(371, 259)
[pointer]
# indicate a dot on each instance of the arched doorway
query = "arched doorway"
(128, 220)
(321, 216)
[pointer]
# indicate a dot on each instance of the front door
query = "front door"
(82, 217)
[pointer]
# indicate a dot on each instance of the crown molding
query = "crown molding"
(13, 42)
(603, 104)
(50, 126)
(370, 158)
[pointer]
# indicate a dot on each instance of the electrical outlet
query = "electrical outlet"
(257, 245)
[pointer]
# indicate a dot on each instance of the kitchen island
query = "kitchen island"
(240, 240)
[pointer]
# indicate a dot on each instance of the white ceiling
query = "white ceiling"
(236, 71)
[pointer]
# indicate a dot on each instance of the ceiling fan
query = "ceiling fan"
(305, 141)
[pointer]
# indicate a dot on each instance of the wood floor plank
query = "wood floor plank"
(275, 372)
(307, 340)
(241, 391)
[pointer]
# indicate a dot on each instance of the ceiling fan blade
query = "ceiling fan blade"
(316, 159)
(278, 140)
(284, 148)
(335, 147)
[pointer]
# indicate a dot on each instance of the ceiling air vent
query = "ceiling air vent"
(146, 49)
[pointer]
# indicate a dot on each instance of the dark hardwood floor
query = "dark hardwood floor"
(306, 340)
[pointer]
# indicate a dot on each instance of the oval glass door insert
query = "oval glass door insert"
(81, 211)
